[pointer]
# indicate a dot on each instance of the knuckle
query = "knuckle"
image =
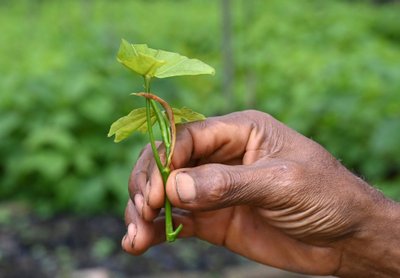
(252, 113)
(145, 153)
(287, 180)
(136, 181)
(145, 149)
(290, 172)
(255, 114)
(218, 184)
(222, 187)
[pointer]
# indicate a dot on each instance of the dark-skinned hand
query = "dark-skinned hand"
(249, 183)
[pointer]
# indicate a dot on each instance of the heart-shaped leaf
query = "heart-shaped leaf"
(159, 63)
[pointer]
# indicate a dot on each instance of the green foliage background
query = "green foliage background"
(329, 69)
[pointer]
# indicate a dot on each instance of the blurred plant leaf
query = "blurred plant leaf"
(386, 137)
(49, 164)
(159, 63)
(8, 123)
(50, 136)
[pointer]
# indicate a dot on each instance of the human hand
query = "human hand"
(247, 182)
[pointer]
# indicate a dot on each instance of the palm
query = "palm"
(244, 231)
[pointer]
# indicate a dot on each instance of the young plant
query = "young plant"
(151, 63)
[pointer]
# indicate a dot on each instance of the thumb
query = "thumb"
(214, 186)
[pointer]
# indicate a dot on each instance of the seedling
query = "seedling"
(151, 63)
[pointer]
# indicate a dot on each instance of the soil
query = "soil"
(89, 246)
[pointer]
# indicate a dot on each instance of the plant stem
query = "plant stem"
(164, 169)
(151, 136)
(171, 235)
(168, 117)
(163, 127)
(150, 126)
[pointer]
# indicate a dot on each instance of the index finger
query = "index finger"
(214, 140)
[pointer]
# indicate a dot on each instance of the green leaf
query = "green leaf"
(136, 121)
(125, 126)
(186, 115)
(138, 58)
(159, 63)
(177, 65)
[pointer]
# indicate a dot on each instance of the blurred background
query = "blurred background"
(329, 69)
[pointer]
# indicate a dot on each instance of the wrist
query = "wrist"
(374, 249)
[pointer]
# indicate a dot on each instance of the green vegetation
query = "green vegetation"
(329, 69)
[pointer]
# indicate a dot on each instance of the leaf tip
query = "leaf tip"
(212, 72)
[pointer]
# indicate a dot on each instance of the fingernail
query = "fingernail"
(139, 203)
(122, 242)
(132, 230)
(185, 187)
(147, 193)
